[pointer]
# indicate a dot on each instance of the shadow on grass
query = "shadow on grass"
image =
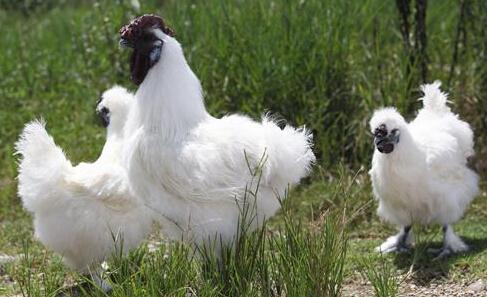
(425, 268)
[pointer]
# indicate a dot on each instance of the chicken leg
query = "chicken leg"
(401, 242)
(452, 244)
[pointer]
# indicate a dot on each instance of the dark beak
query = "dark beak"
(105, 120)
(386, 144)
(104, 117)
(126, 43)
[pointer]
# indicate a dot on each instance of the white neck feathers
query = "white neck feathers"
(169, 101)
(406, 152)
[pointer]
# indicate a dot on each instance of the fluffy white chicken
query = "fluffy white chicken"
(87, 211)
(191, 168)
(419, 170)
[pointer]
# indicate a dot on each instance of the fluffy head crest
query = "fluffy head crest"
(117, 100)
(136, 27)
(387, 116)
(434, 99)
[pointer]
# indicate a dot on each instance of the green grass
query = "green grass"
(382, 276)
(327, 64)
(315, 256)
(297, 259)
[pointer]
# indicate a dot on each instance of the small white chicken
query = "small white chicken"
(419, 170)
(193, 169)
(82, 212)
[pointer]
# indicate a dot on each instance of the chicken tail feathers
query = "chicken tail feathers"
(434, 99)
(290, 152)
(42, 166)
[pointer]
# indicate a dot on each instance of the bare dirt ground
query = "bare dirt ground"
(359, 287)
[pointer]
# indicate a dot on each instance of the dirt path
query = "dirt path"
(478, 288)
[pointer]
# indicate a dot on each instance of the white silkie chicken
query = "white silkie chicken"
(82, 212)
(419, 170)
(192, 168)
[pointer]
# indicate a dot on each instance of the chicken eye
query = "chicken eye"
(380, 131)
(104, 110)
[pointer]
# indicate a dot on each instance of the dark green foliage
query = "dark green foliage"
(326, 64)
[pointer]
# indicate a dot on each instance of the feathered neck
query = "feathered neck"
(169, 101)
(406, 153)
(113, 144)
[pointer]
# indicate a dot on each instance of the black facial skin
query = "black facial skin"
(146, 53)
(104, 115)
(384, 140)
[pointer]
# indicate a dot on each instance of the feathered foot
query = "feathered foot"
(452, 244)
(101, 284)
(400, 242)
(78, 290)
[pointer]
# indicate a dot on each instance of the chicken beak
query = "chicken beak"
(387, 143)
(125, 43)
(384, 146)
(104, 118)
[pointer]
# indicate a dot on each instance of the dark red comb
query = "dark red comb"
(133, 30)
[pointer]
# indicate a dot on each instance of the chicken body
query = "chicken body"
(81, 212)
(198, 171)
(425, 178)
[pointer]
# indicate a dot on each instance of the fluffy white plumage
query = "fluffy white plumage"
(81, 211)
(191, 168)
(425, 178)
